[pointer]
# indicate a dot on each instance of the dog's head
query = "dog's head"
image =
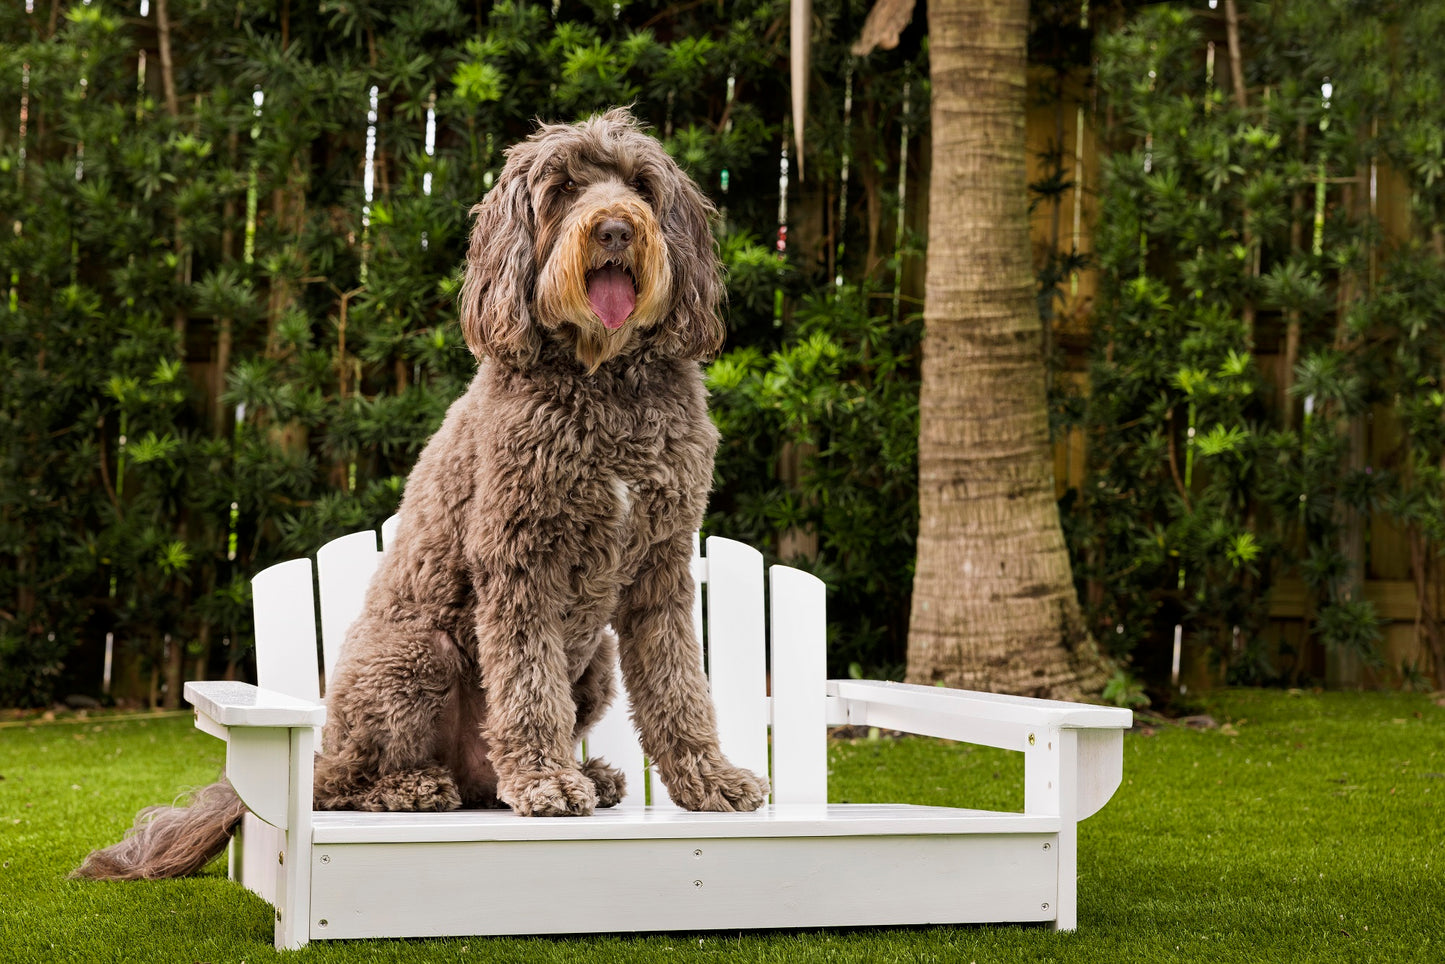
(593, 237)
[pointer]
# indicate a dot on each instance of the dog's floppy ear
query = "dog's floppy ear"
(495, 308)
(694, 329)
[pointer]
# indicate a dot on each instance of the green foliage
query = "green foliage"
(832, 419)
(1224, 233)
(219, 352)
(141, 486)
(1124, 690)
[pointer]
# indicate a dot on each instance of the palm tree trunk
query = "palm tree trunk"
(993, 597)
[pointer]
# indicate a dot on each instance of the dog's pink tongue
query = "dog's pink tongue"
(610, 292)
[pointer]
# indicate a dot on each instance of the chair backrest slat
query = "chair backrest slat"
(614, 739)
(699, 584)
(345, 567)
(728, 610)
(798, 643)
(388, 531)
(284, 605)
(736, 662)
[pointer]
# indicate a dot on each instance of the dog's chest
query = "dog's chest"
(600, 467)
(654, 483)
(622, 498)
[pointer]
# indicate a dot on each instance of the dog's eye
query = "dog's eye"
(570, 186)
(639, 184)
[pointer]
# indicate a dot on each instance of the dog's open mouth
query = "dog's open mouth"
(612, 294)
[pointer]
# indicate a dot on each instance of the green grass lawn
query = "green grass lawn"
(1309, 827)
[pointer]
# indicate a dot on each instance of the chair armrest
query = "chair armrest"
(989, 719)
(241, 704)
(1073, 752)
(270, 742)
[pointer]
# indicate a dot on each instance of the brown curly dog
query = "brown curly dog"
(555, 504)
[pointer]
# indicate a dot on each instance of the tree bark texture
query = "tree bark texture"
(993, 598)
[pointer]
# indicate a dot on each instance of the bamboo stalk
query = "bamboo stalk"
(1241, 99)
(224, 326)
(1236, 60)
(168, 72)
(179, 321)
(1292, 316)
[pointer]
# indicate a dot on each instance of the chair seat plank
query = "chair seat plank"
(663, 823)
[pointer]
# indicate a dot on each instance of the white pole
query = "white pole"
(109, 661)
(1178, 647)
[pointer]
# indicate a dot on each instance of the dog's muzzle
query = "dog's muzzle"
(611, 289)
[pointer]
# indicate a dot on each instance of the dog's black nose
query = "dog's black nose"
(613, 234)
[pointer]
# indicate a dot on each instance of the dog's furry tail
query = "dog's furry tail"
(170, 841)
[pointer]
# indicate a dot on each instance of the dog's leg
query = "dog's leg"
(593, 693)
(670, 700)
(531, 716)
(380, 742)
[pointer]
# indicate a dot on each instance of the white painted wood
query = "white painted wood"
(1101, 768)
(683, 884)
(293, 898)
(284, 606)
(615, 739)
(736, 663)
(668, 823)
(993, 707)
(797, 862)
(344, 568)
(1051, 786)
(1068, 872)
(233, 704)
(257, 761)
(388, 531)
(254, 858)
(206, 724)
(798, 654)
(699, 582)
(1042, 767)
(909, 719)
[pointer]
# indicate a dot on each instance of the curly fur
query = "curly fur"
(546, 529)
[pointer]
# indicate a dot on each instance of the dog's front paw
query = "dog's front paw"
(611, 783)
(420, 790)
(717, 785)
(556, 793)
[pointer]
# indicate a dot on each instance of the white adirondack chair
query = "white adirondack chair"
(798, 862)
